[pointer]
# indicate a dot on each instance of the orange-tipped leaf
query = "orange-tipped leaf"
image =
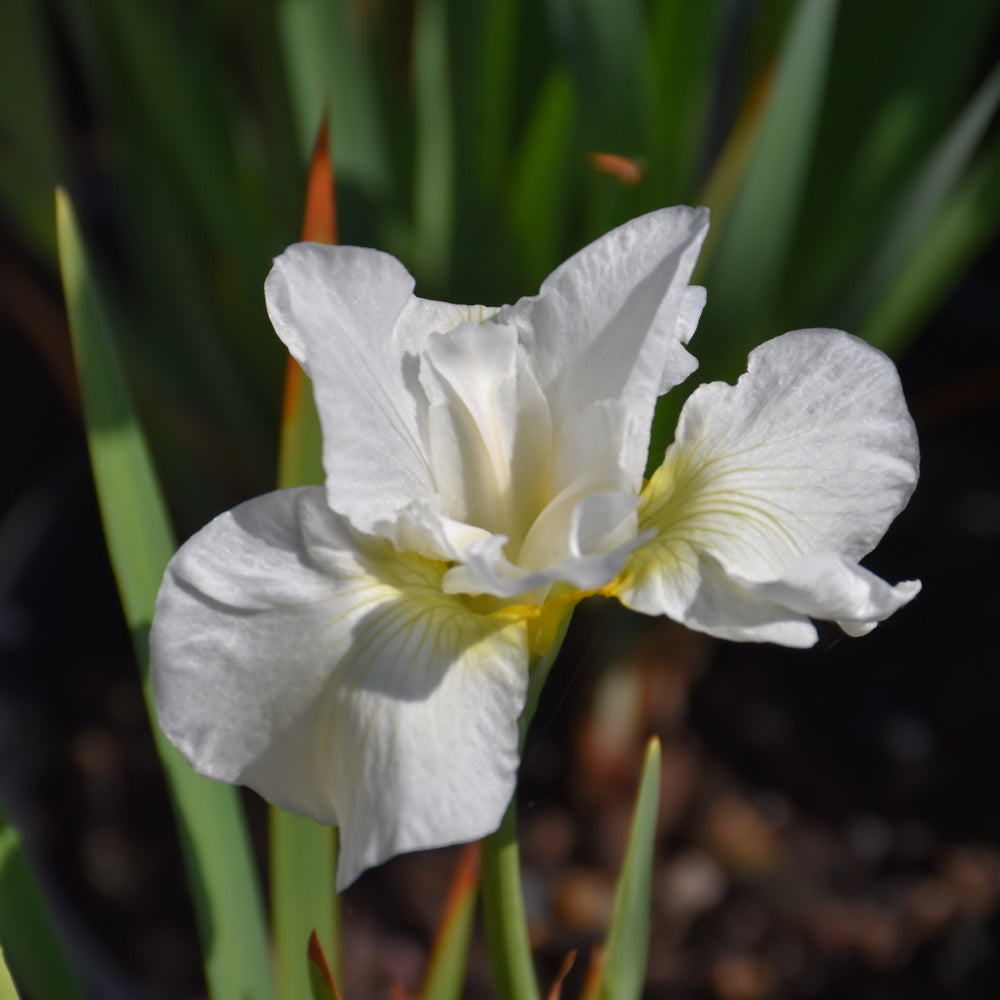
(555, 990)
(449, 956)
(320, 977)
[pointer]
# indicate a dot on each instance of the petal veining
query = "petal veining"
(812, 451)
(334, 676)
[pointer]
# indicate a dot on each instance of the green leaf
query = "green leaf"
(746, 273)
(303, 899)
(886, 108)
(503, 914)
(163, 82)
(921, 201)
(950, 243)
(321, 981)
(681, 44)
(601, 41)
(140, 543)
(8, 991)
(434, 180)
(496, 73)
(30, 945)
(328, 67)
(29, 122)
(540, 188)
(627, 945)
(449, 957)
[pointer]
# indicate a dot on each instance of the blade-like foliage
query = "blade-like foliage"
(445, 976)
(627, 945)
(28, 939)
(746, 272)
(139, 539)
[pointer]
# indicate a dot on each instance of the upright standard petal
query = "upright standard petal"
(774, 489)
(338, 311)
(611, 322)
(334, 676)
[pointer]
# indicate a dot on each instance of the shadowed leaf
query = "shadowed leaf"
(140, 543)
(446, 971)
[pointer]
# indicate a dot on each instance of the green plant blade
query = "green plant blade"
(29, 122)
(8, 991)
(321, 982)
(627, 945)
(495, 73)
(503, 914)
(434, 180)
(600, 42)
(28, 939)
(446, 971)
(212, 829)
(303, 900)
(922, 199)
(328, 68)
(960, 231)
(681, 42)
(539, 192)
(886, 108)
(748, 266)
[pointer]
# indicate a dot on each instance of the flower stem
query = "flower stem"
(503, 912)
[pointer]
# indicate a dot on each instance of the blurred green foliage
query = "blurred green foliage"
(843, 149)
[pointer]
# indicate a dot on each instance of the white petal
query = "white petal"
(692, 304)
(332, 675)
(610, 322)
(337, 309)
(829, 586)
(488, 428)
(813, 451)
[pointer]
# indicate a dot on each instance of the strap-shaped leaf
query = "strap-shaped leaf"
(446, 971)
(627, 945)
(27, 936)
(752, 253)
(140, 542)
(434, 181)
(918, 204)
(328, 65)
(321, 982)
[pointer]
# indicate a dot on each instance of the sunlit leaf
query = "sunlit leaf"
(31, 947)
(627, 945)
(321, 982)
(951, 242)
(921, 200)
(434, 180)
(449, 956)
(753, 248)
(329, 67)
(140, 542)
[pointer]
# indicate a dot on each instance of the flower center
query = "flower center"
(489, 431)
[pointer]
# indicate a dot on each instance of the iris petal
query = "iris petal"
(334, 676)
(812, 451)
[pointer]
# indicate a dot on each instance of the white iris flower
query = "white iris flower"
(359, 653)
